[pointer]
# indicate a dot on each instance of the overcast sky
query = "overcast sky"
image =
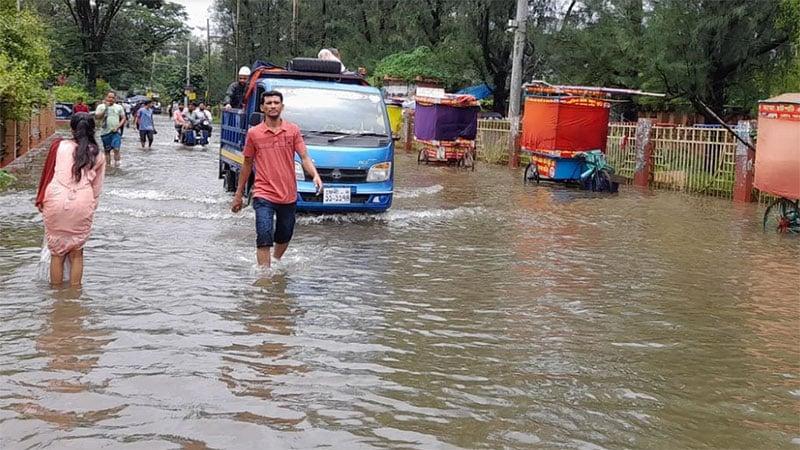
(198, 11)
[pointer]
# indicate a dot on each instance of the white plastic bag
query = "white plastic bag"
(43, 269)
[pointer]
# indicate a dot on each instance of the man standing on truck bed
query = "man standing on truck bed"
(272, 145)
(236, 90)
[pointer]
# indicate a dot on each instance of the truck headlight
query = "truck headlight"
(299, 174)
(379, 172)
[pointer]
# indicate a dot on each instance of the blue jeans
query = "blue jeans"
(274, 222)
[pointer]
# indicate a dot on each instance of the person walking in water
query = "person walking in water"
(144, 122)
(271, 146)
(112, 119)
(72, 179)
(179, 121)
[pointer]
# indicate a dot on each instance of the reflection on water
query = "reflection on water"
(476, 313)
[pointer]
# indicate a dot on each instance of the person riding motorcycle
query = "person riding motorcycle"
(195, 120)
(236, 90)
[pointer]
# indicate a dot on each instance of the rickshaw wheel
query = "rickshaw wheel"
(422, 157)
(469, 160)
(531, 174)
(602, 181)
(783, 216)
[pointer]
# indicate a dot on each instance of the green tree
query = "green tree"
(707, 51)
(24, 62)
(114, 36)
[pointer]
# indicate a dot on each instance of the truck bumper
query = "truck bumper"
(368, 197)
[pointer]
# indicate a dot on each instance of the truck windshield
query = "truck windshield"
(334, 111)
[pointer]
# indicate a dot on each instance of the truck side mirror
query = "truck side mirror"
(256, 118)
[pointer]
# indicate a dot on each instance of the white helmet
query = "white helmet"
(244, 71)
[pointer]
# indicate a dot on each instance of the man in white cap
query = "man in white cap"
(235, 94)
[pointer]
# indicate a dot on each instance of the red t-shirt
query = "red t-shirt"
(273, 159)
(80, 108)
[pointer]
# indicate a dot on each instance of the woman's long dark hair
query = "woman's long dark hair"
(86, 152)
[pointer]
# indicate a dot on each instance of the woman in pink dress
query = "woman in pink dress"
(70, 197)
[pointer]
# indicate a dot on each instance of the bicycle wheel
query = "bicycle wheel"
(531, 174)
(602, 181)
(783, 216)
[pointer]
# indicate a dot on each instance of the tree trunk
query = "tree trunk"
(91, 74)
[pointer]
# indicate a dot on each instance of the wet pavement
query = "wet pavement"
(476, 313)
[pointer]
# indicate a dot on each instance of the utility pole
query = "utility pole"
(295, 8)
(236, 40)
(152, 72)
(519, 26)
(186, 88)
(208, 51)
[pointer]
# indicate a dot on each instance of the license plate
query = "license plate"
(336, 195)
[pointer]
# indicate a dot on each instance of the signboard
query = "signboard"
(430, 92)
(783, 111)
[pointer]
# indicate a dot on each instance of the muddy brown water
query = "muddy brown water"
(476, 313)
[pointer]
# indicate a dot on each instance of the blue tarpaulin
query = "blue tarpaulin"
(480, 91)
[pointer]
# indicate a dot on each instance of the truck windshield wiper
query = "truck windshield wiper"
(363, 133)
(320, 132)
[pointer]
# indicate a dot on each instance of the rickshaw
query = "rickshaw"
(446, 127)
(777, 166)
(564, 132)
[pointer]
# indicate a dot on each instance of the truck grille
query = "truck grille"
(340, 175)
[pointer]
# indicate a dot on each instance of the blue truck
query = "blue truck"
(344, 125)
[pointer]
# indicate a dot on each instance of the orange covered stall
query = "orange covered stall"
(777, 166)
(563, 126)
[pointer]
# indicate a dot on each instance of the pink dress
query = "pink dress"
(68, 207)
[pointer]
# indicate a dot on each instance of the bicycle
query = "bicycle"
(783, 216)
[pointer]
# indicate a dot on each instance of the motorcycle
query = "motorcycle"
(197, 135)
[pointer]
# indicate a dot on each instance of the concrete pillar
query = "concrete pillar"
(645, 144)
(745, 167)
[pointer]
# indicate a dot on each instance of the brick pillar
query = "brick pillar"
(745, 169)
(24, 138)
(9, 142)
(409, 131)
(644, 153)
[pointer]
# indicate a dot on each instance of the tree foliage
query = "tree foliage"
(726, 54)
(24, 62)
(69, 94)
(422, 62)
(112, 38)
(717, 48)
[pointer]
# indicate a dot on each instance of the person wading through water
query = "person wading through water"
(272, 145)
(112, 119)
(72, 179)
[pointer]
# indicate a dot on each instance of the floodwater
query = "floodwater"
(476, 313)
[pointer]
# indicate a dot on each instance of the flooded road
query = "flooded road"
(476, 313)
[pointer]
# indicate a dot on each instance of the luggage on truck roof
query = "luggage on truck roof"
(263, 69)
(308, 69)
(314, 65)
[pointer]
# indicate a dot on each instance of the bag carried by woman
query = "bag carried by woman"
(72, 179)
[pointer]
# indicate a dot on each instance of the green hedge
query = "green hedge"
(69, 94)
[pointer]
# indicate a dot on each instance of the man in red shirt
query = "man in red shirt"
(272, 145)
(80, 107)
